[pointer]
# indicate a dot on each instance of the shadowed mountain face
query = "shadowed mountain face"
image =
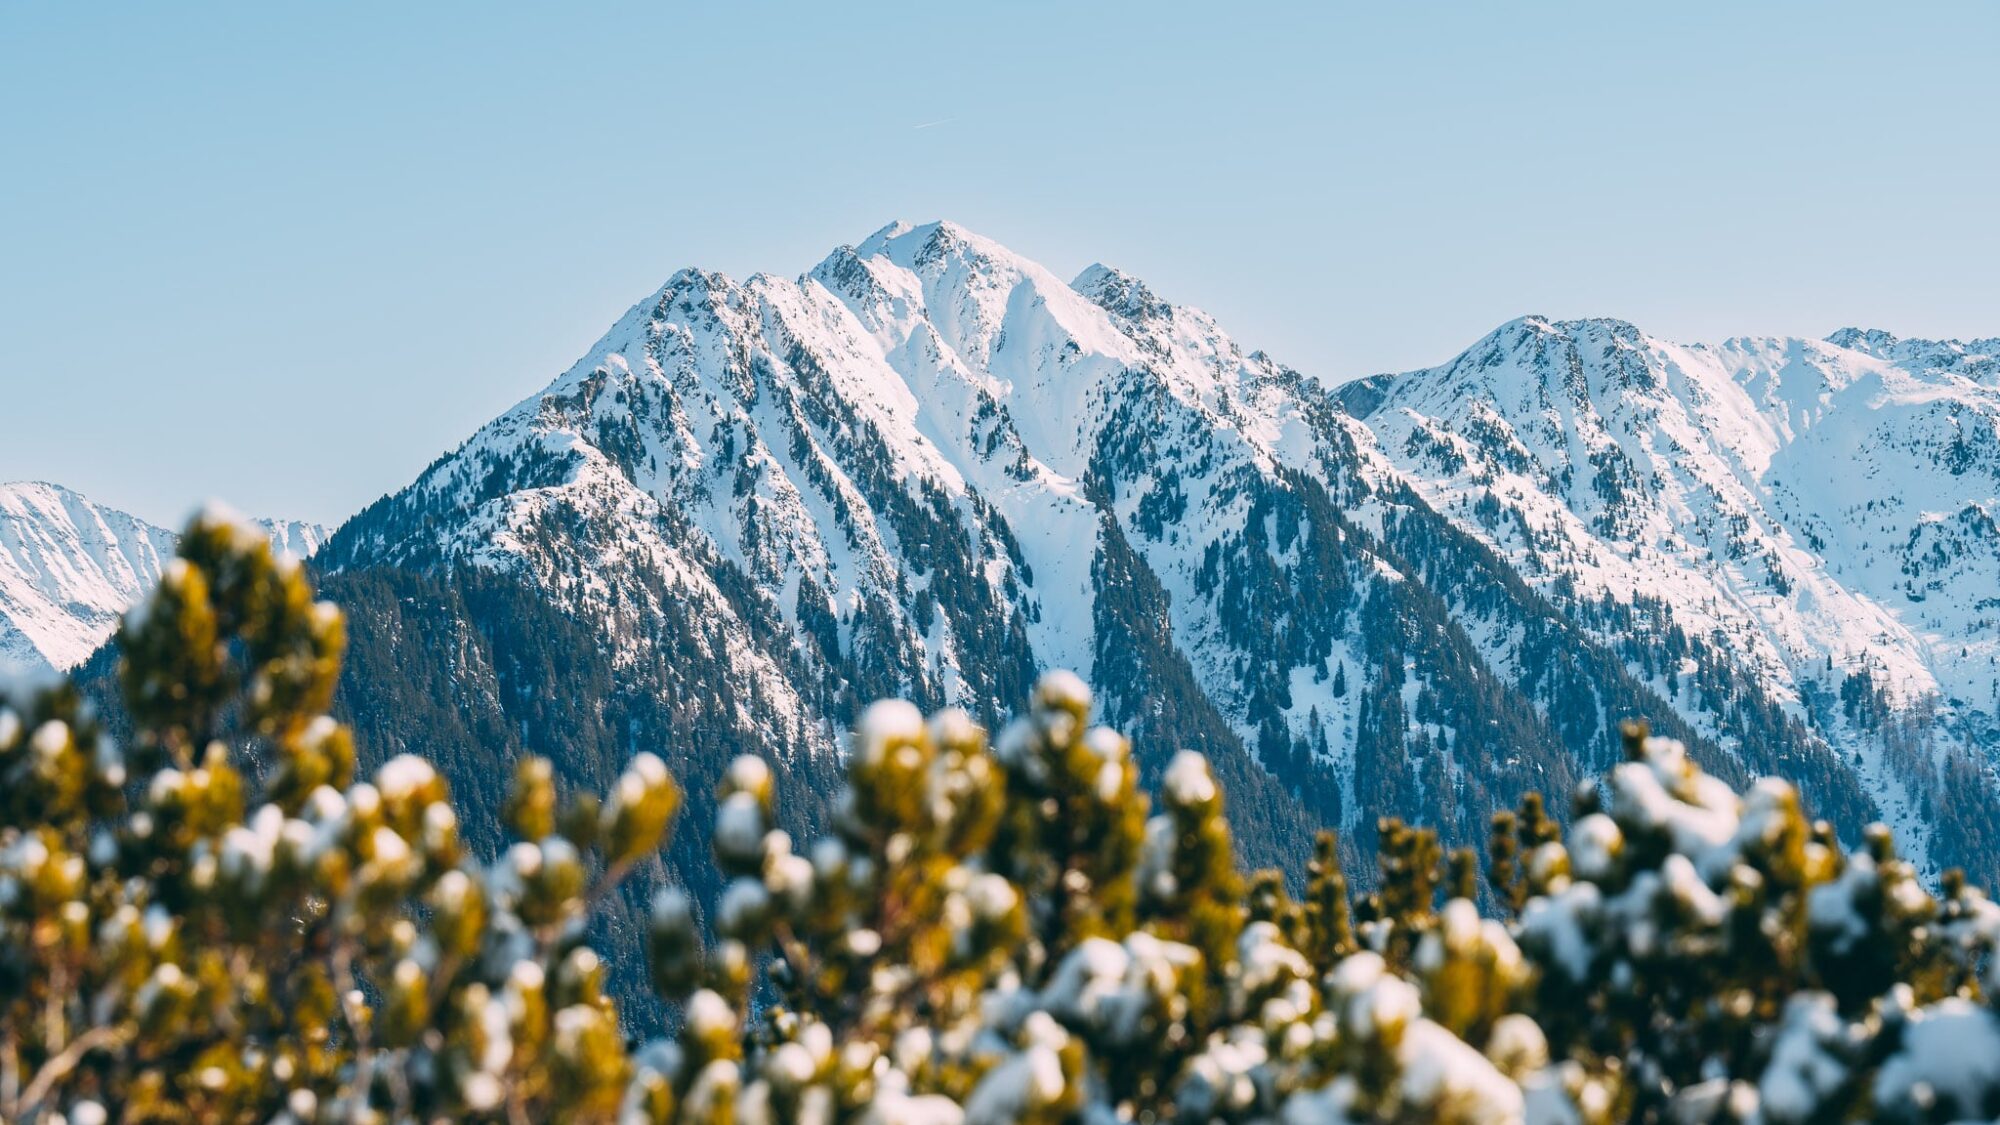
(930, 468)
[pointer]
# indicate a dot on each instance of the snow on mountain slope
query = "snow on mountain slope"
(929, 467)
(69, 568)
(1824, 509)
(894, 445)
(300, 539)
(780, 425)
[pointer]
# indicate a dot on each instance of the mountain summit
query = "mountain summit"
(69, 568)
(1824, 510)
(930, 468)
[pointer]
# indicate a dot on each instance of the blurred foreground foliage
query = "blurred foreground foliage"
(216, 921)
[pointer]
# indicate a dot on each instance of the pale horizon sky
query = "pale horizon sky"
(286, 255)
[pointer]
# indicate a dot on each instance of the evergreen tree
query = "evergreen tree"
(213, 918)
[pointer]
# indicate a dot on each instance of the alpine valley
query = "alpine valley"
(931, 468)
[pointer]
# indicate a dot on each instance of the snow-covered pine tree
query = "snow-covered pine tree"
(217, 921)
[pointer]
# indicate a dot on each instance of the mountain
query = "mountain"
(69, 568)
(1824, 511)
(931, 468)
(299, 539)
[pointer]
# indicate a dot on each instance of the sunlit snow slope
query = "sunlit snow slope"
(69, 568)
(930, 467)
(1825, 510)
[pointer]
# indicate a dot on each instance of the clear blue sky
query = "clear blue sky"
(286, 254)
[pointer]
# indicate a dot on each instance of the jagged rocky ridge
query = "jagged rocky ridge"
(930, 468)
(1819, 513)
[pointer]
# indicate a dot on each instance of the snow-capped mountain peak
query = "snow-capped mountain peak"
(929, 467)
(70, 567)
(1822, 504)
(1976, 360)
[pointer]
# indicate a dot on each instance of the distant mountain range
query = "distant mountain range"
(69, 568)
(931, 468)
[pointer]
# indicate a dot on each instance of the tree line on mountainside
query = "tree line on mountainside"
(211, 916)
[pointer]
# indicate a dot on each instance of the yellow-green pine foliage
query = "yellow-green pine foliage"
(218, 921)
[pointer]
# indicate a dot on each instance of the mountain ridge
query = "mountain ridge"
(929, 467)
(1592, 454)
(70, 568)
